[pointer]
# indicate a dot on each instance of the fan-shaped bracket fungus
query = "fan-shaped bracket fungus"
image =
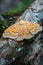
(22, 30)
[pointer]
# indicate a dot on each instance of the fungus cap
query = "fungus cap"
(22, 30)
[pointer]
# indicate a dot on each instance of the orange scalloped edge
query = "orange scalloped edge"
(22, 30)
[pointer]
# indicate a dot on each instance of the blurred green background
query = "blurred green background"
(17, 7)
(10, 10)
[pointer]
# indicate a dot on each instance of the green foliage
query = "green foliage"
(3, 26)
(12, 11)
(16, 11)
(21, 6)
(27, 2)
